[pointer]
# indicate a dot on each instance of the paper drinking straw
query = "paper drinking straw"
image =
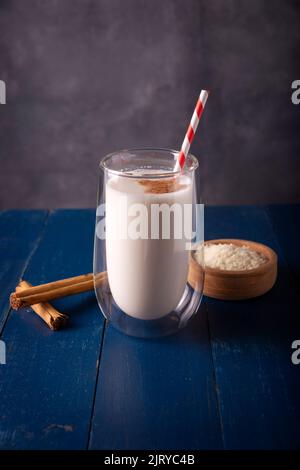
(188, 139)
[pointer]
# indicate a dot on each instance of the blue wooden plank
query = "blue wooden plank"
(157, 394)
(258, 386)
(20, 232)
(286, 224)
(47, 386)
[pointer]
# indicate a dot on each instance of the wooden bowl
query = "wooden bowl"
(238, 285)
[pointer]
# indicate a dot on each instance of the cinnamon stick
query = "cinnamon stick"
(52, 317)
(55, 290)
(55, 285)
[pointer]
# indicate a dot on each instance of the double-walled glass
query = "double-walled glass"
(149, 223)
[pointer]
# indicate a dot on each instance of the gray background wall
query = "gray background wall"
(86, 77)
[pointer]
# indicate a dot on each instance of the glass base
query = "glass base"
(167, 325)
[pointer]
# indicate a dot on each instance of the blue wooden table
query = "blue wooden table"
(225, 382)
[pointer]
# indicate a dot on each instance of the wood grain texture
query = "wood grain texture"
(20, 233)
(286, 224)
(47, 386)
(157, 394)
(251, 342)
(227, 380)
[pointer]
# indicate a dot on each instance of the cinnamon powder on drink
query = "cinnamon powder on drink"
(167, 185)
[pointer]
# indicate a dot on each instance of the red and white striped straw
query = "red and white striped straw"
(191, 130)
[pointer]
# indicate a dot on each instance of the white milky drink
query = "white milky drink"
(147, 276)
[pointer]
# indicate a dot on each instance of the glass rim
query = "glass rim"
(128, 174)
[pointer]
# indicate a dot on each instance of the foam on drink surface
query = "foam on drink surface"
(148, 185)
